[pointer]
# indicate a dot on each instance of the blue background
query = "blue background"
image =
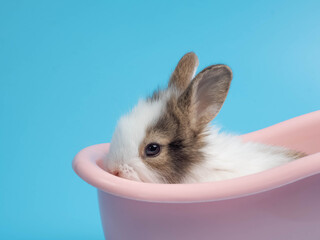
(69, 69)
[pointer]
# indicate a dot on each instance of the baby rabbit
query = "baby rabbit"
(167, 138)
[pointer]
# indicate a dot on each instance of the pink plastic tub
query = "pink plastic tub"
(279, 204)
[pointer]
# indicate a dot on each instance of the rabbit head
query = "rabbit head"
(162, 138)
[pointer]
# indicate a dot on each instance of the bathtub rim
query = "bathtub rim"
(85, 164)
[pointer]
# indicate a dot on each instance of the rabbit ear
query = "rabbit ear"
(205, 95)
(184, 71)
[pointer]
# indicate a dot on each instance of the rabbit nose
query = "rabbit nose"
(116, 173)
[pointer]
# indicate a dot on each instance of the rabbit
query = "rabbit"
(166, 138)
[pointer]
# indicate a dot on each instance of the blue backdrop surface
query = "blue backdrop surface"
(69, 69)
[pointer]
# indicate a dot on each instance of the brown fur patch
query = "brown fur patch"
(156, 95)
(184, 71)
(296, 154)
(181, 76)
(180, 145)
(212, 86)
(281, 150)
(206, 94)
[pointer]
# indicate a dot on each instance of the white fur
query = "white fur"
(123, 156)
(227, 156)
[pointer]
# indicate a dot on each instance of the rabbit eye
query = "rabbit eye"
(152, 150)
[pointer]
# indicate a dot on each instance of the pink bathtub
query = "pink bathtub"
(279, 204)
